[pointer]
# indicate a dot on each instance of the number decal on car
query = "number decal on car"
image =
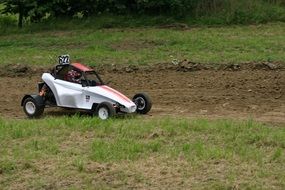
(87, 98)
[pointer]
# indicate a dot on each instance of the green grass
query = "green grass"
(83, 152)
(233, 44)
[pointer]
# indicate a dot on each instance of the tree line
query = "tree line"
(36, 10)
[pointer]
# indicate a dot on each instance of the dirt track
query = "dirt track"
(188, 91)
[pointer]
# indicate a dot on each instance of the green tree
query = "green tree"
(20, 7)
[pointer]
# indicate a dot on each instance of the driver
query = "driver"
(73, 76)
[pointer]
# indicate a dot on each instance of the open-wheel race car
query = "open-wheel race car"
(80, 87)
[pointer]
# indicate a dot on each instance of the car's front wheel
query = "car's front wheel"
(105, 110)
(143, 103)
(32, 108)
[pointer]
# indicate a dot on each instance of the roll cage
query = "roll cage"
(88, 77)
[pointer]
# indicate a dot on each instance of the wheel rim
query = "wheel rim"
(103, 113)
(30, 108)
(140, 102)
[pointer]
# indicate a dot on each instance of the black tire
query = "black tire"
(143, 103)
(32, 108)
(105, 110)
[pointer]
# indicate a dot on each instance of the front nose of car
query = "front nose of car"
(133, 108)
(129, 109)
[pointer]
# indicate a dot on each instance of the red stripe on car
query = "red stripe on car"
(115, 92)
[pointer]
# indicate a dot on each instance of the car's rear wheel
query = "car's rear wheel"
(32, 108)
(105, 110)
(143, 103)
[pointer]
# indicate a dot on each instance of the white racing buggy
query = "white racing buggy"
(80, 87)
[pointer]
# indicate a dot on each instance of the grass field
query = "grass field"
(82, 152)
(233, 44)
(142, 153)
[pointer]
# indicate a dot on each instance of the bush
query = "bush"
(6, 21)
(200, 11)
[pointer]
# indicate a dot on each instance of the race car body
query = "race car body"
(74, 95)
